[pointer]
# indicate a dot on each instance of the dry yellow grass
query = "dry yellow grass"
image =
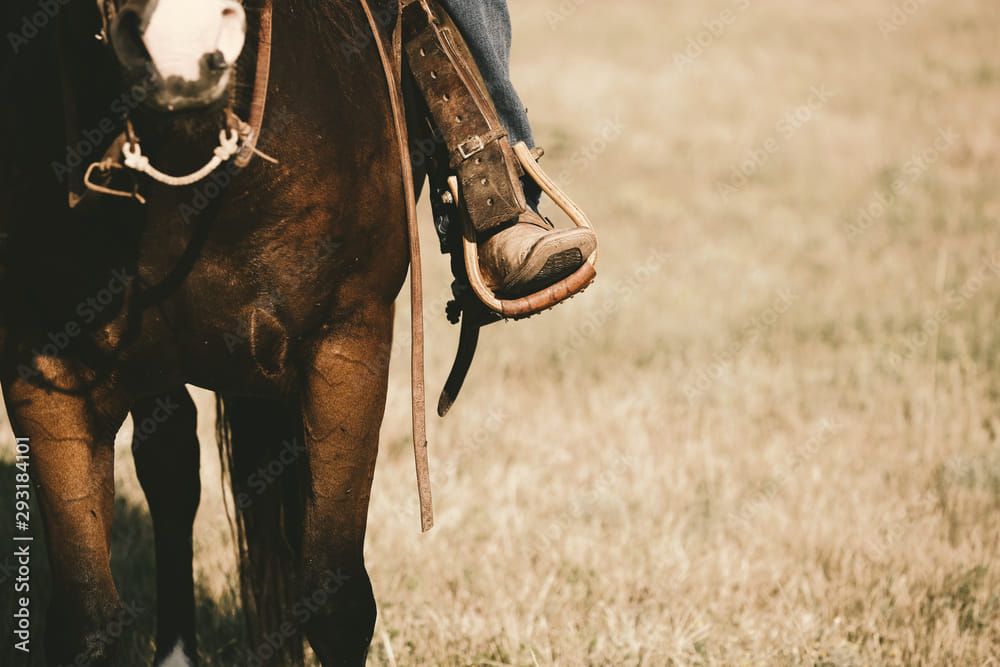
(769, 435)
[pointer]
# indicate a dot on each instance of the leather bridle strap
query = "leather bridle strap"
(108, 10)
(258, 101)
(393, 69)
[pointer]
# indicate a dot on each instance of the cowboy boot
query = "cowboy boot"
(529, 255)
(520, 252)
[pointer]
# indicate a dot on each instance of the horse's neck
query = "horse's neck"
(326, 50)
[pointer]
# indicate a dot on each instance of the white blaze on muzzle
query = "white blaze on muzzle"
(181, 33)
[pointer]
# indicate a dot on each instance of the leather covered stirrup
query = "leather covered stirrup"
(544, 299)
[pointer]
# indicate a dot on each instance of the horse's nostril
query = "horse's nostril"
(217, 61)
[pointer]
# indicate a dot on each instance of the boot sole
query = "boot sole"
(551, 260)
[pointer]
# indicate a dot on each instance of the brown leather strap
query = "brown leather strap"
(258, 101)
(71, 121)
(393, 77)
(463, 111)
(474, 317)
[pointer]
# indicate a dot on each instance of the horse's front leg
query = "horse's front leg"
(165, 449)
(72, 464)
(343, 404)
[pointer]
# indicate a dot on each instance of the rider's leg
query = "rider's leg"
(526, 254)
(485, 24)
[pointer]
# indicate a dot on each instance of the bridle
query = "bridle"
(237, 140)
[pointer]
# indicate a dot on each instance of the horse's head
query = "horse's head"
(181, 51)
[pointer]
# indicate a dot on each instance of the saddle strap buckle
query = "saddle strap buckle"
(477, 144)
(471, 146)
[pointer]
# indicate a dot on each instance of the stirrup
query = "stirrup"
(480, 306)
(548, 297)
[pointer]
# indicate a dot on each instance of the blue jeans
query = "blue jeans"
(485, 24)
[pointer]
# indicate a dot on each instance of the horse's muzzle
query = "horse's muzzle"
(180, 52)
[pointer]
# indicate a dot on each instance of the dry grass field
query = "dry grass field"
(770, 434)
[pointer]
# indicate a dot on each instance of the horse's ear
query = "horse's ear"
(126, 38)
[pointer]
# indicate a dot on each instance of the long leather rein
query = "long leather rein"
(393, 76)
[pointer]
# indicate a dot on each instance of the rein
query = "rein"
(240, 140)
(393, 77)
(258, 100)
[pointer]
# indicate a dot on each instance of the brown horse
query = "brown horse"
(273, 286)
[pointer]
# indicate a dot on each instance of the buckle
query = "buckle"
(476, 144)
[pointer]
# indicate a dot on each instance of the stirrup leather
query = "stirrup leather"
(462, 110)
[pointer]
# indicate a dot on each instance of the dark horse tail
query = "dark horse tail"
(262, 448)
